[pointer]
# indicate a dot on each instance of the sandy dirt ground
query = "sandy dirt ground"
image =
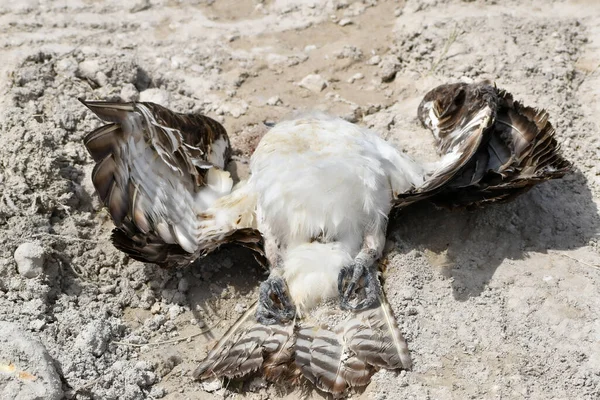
(499, 303)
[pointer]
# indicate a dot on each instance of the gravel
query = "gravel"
(30, 259)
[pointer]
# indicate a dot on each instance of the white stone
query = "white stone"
(236, 108)
(313, 82)
(174, 311)
(129, 93)
(212, 386)
(274, 101)
(89, 69)
(345, 21)
(155, 95)
(67, 66)
(355, 77)
(374, 60)
(28, 356)
(30, 259)
(274, 59)
(155, 309)
(240, 308)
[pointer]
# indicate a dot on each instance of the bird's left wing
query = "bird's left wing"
(459, 116)
(160, 174)
(493, 148)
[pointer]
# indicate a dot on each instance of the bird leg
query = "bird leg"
(274, 303)
(358, 283)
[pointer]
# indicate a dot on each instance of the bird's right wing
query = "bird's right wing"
(160, 175)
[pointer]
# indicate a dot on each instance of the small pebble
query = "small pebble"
(154, 95)
(37, 325)
(240, 308)
(88, 69)
(274, 101)
(355, 77)
(236, 108)
(67, 67)
(374, 60)
(183, 286)
(389, 66)
(345, 21)
(313, 82)
(174, 311)
(155, 309)
(129, 93)
(158, 392)
(212, 386)
(30, 259)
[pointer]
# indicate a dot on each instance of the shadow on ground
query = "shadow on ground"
(555, 215)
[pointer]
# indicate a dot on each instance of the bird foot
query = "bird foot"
(358, 286)
(274, 305)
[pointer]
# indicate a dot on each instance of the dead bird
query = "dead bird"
(315, 209)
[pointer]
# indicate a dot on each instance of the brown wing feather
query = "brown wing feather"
(156, 171)
(499, 158)
(460, 116)
(522, 152)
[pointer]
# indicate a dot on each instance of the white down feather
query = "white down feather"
(320, 177)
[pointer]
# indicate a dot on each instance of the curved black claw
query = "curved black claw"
(354, 294)
(274, 304)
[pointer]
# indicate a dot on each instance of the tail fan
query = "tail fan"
(334, 360)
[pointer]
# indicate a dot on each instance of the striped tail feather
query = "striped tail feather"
(332, 359)
(374, 337)
(347, 356)
(248, 347)
(325, 360)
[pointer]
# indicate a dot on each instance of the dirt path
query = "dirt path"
(498, 303)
